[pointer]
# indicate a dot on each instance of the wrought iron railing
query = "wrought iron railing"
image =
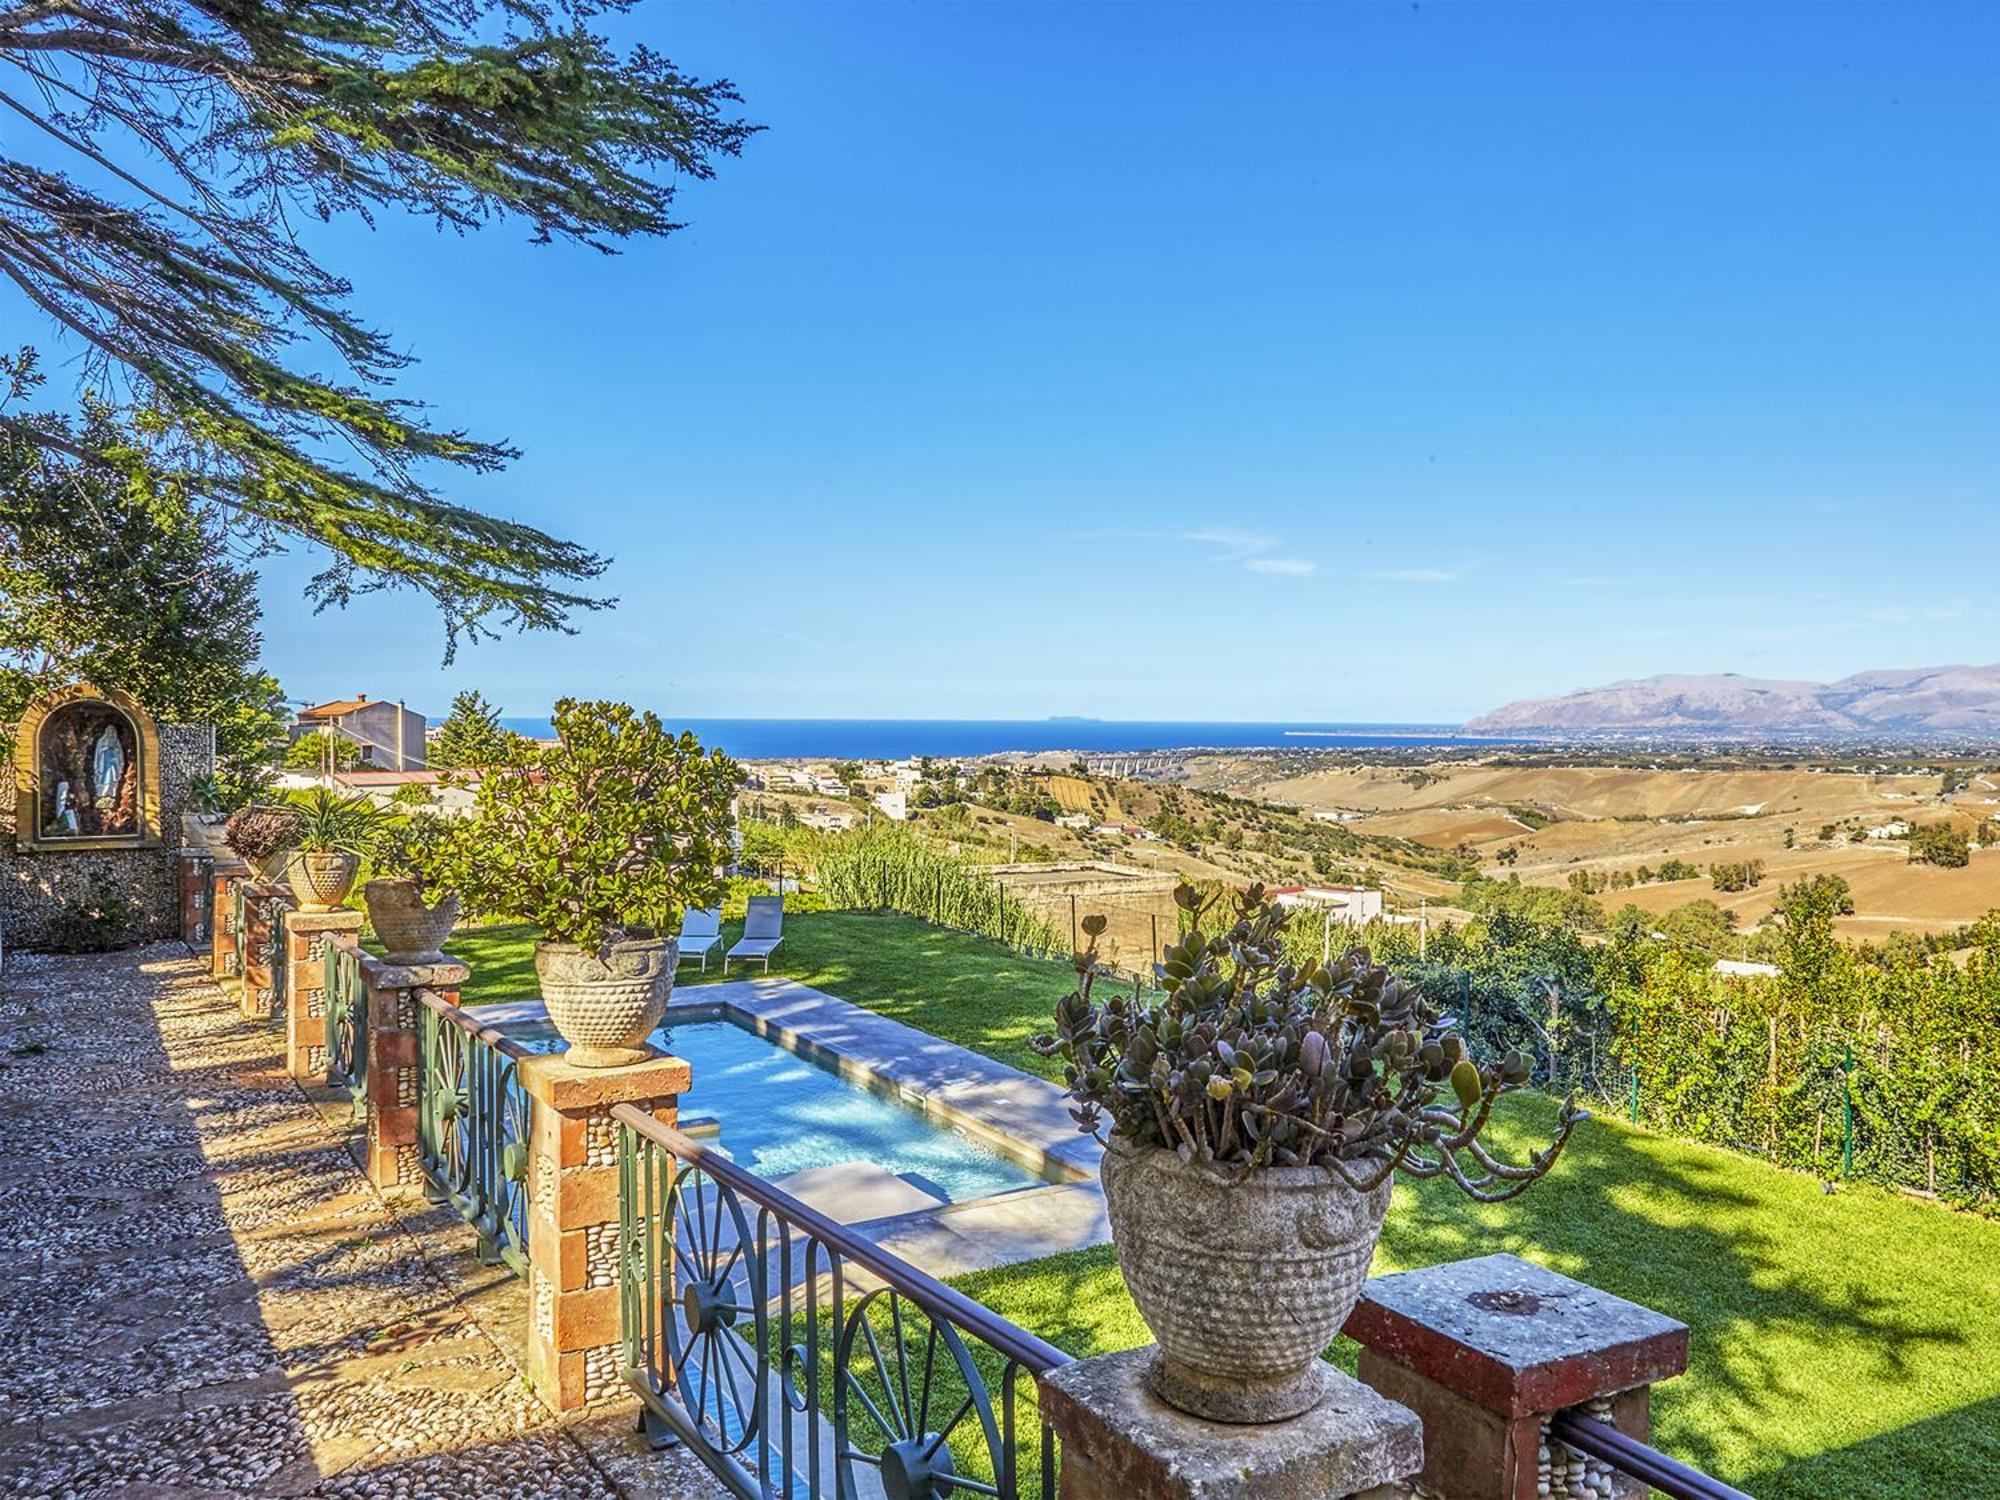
(472, 1127)
(239, 924)
(1605, 1443)
(274, 951)
(347, 1022)
(799, 1360)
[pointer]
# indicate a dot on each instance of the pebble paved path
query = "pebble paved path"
(201, 1295)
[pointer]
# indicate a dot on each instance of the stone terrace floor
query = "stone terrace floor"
(201, 1295)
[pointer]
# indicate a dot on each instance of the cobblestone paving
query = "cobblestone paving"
(201, 1295)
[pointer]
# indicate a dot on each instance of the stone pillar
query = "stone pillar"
(394, 998)
(305, 938)
(263, 906)
(574, 1330)
(1121, 1442)
(1487, 1350)
(196, 872)
(225, 872)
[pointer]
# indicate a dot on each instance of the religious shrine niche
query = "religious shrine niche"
(86, 772)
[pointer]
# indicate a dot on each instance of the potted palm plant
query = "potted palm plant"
(334, 832)
(1258, 1111)
(410, 903)
(603, 840)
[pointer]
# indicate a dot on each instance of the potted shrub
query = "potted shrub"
(603, 840)
(409, 903)
(263, 834)
(1258, 1111)
(334, 833)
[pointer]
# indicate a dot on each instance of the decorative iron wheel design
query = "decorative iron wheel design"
(717, 1329)
(900, 1393)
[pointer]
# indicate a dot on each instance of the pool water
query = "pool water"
(782, 1113)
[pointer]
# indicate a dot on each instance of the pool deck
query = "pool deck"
(1023, 1117)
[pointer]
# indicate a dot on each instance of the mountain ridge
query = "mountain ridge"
(1948, 700)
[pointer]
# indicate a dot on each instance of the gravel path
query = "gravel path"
(201, 1295)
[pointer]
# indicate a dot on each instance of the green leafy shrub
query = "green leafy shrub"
(1251, 1060)
(95, 921)
(891, 869)
(612, 831)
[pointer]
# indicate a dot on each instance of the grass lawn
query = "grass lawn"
(1845, 1344)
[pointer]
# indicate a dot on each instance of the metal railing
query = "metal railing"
(274, 952)
(799, 1360)
(1605, 1443)
(347, 1022)
(473, 1118)
(239, 923)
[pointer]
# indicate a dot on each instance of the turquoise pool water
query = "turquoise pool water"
(782, 1113)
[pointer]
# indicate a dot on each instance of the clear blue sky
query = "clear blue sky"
(1244, 361)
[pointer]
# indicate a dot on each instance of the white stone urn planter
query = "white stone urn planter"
(412, 932)
(322, 879)
(1243, 1276)
(606, 1002)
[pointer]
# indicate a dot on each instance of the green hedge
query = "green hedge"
(890, 869)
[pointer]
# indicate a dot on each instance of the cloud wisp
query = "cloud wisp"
(1252, 551)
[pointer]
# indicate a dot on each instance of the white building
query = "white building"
(1896, 830)
(1345, 903)
(895, 806)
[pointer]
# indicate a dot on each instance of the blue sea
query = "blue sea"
(894, 739)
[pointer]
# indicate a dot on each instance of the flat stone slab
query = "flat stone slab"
(849, 1192)
(1515, 1337)
(1139, 1447)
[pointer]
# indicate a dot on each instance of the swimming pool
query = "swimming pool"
(781, 1113)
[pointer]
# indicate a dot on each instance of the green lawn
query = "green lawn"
(1845, 1344)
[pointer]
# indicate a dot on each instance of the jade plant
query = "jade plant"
(262, 830)
(1248, 1060)
(417, 847)
(610, 833)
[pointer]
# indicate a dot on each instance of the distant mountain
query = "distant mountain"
(1921, 700)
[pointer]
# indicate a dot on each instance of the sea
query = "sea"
(896, 739)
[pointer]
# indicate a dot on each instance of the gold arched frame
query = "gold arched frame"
(28, 770)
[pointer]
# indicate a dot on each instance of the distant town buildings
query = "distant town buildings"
(1345, 903)
(390, 736)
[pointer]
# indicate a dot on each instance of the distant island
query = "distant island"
(1956, 701)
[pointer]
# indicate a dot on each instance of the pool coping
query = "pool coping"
(1023, 1118)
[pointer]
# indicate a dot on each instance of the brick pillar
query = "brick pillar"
(226, 871)
(1487, 1350)
(393, 1062)
(1121, 1442)
(304, 942)
(196, 879)
(574, 1330)
(263, 907)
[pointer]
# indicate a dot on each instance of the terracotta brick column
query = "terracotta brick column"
(1121, 1442)
(263, 907)
(224, 874)
(304, 942)
(196, 879)
(1487, 1350)
(574, 1331)
(393, 1061)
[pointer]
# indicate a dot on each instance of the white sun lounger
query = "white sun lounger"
(701, 933)
(763, 930)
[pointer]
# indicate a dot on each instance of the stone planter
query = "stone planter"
(412, 932)
(322, 878)
(1243, 1277)
(607, 1003)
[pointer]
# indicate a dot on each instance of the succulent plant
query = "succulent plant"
(1253, 1061)
(333, 824)
(261, 830)
(417, 846)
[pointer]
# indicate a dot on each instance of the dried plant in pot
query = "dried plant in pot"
(410, 903)
(603, 840)
(1258, 1112)
(263, 835)
(335, 832)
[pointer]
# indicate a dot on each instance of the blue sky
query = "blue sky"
(1242, 361)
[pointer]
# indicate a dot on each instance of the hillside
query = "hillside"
(1944, 701)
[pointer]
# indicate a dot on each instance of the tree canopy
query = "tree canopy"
(165, 151)
(471, 735)
(109, 576)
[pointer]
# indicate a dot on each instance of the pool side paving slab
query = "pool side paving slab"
(1022, 1116)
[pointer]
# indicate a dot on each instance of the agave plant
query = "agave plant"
(1250, 1060)
(262, 829)
(332, 824)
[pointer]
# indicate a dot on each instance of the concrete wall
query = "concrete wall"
(36, 886)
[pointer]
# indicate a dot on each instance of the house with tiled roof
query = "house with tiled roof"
(390, 736)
